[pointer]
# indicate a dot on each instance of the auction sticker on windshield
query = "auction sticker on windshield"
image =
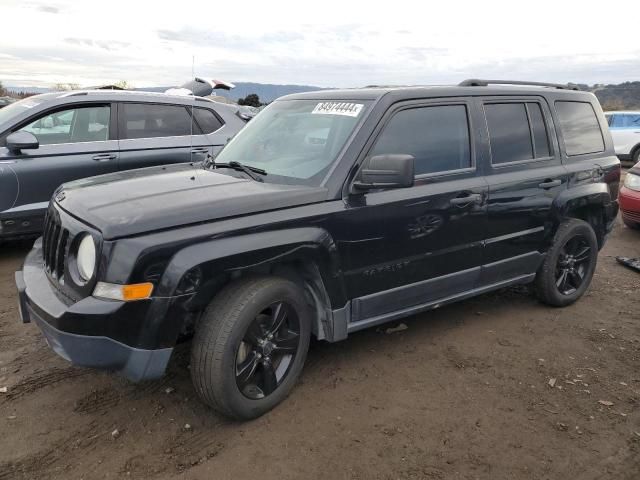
(338, 108)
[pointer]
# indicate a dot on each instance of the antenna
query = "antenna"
(193, 101)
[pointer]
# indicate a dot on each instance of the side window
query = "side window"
(207, 120)
(74, 125)
(630, 120)
(580, 128)
(438, 138)
(517, 132)
(140, 120)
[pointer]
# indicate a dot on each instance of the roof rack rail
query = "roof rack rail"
(73, 93)
(476, 82)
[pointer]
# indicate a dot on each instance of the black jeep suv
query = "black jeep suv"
(330, 212)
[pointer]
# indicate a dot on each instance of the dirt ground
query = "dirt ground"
(463, 393)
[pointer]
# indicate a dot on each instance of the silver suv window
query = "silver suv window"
(141, 120)
(73, 125)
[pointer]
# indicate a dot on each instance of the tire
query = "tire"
(562, 278)
(227, 356)
(635, 158)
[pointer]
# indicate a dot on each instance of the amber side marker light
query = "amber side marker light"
(125, 293)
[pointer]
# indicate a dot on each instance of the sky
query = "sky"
(327, 43)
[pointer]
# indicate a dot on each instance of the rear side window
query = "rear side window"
(207, 120)
(141, 120)
(517, 132)
(437, 137)
(580, 128)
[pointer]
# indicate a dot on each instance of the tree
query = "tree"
(125, 85)
(3, 91)
(63, 87)
(251, 100)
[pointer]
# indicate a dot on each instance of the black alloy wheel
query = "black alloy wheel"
(267, 350)
(573, 264)
(568, 265)
(250, 345)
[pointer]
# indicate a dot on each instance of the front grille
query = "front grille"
(54, 245)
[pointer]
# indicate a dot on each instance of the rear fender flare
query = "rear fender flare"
(593, 196)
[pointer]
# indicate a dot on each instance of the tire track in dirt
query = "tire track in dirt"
(41, 464)
(42, 379)
(98, 401)
(177, 454)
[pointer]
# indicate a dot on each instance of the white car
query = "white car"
(625, 130)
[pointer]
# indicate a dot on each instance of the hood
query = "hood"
(139, 201)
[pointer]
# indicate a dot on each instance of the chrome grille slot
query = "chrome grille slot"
(54, 246)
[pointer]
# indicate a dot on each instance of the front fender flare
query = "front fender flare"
(255, 252)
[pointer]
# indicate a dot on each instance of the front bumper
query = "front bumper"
(629, 204)
(40, 302)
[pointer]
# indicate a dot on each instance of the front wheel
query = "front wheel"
(569, 265)
(250, 346)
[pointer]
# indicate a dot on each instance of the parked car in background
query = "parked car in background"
(625, 130)
(50, 139)
(4, 101)
(630, 197)
(329, 213)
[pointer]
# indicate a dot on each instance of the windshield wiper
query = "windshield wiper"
(240, 167)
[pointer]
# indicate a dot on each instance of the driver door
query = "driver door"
(404, 248)
(75, 142)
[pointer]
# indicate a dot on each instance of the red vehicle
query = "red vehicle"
(630, 197)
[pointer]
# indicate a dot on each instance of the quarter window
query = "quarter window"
(517, 132)
(580, 128)
(207, 120)
(437, 137)
(154, 120)
(75, 125)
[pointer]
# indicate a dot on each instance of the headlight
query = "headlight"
(632, 182)
(86, 258)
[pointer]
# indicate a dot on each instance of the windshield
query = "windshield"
(13, 110)
(295, 141)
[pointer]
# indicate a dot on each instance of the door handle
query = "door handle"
(200, 150)
(550, 184)
(104, 157)
(466, 200)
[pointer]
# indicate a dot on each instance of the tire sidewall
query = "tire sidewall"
(233, 398)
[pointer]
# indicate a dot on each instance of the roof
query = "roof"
(374, 93)
(123, 95)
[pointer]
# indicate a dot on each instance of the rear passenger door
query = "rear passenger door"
(525, 176)
(404, 248)
(157, 133)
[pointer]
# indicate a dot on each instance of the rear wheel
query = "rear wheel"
(636, 156)
(569, 265)
(250, 346)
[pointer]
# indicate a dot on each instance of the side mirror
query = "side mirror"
(386, 171)
(18, 141)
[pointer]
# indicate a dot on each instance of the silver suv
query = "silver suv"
(50, 139)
